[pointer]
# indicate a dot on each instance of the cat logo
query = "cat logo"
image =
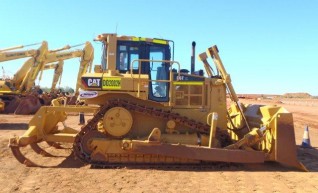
(91, 82)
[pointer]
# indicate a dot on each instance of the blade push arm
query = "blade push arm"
(214, 53)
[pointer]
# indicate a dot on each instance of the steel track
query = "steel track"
(199, 127)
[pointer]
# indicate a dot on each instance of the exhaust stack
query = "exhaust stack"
(193, 57)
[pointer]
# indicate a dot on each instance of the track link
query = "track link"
(199, 127)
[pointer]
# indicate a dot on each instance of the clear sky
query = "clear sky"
(268, 47)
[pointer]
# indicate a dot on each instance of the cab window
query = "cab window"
(159, 72)
(127, 54)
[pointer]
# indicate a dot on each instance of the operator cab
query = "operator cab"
(128, 51)
(125, 55)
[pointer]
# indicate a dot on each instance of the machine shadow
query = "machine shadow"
(309, 157)
(215, 167)
(71, 162)
(14, 126)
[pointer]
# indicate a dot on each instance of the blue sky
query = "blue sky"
(268, 46)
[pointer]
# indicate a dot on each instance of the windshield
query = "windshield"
(159, 71)
(104, 56)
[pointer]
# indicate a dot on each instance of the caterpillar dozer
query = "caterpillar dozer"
(147, 110)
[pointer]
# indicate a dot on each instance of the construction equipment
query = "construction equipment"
(24, 79)
(58, 72)
(6, 56)
(152, 112)
(1, 105)
(86, 55)
(37, 56)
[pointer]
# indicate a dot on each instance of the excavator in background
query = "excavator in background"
(12, 90)
(86, 55)
(6, 56)
(148, 111)
(58, 72)
(1, 102)
(24, 80)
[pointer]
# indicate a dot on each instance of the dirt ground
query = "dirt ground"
(64, 174)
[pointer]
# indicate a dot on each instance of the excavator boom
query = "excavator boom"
(58, 72)
(13, 55)
(86, 56)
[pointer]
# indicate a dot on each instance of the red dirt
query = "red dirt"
(68, 175)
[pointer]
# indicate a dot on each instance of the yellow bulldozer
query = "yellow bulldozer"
(148, 110)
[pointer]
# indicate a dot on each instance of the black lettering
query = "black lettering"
(63, 55)
(111, 83)
(15, 54)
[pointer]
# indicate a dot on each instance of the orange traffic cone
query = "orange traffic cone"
(306, 139)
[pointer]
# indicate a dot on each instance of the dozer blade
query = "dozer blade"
(279, 140)
(286, 149)
(28, 105)
(12, 104)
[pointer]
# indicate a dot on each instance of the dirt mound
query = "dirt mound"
(297, 95)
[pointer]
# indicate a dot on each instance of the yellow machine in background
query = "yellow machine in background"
(20, 79)
(23, 81)
(150, 111)
(58, 72)
(86, 55)
(1, 105)
(5, 55)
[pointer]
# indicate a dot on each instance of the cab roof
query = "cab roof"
(103, 37)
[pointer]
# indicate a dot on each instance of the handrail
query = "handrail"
(163, 61)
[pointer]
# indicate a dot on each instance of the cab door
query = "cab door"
(158, 72)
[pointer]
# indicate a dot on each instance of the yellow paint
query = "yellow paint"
(159, 41)
(188, 83)
(135, 39)
(111, 83)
